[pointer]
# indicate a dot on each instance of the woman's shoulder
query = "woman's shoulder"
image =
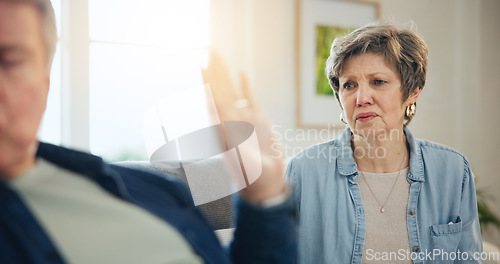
(312, 159)
(436, 155)
(318, 152)
(423, 143)
(430, 147)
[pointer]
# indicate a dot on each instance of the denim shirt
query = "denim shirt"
(442, 220)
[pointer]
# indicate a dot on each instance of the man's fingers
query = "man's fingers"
(245, 88)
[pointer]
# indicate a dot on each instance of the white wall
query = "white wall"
(458, 106)
(489, 140)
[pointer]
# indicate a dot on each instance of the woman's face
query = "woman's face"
(371, 96)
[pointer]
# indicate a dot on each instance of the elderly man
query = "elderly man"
(60, 205)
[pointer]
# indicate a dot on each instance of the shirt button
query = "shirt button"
(412, 212)
(415, 249)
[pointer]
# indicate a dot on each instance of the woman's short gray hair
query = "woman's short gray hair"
(403, 49)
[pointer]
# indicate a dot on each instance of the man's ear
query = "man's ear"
(47, 80)
(46, 89)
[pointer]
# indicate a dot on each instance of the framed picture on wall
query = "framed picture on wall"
(319, 22)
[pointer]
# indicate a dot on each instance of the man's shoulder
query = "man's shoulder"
(147, 182)
(134, 181)
(70, 159)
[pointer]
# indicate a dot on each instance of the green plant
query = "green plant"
(487, 217)
(324, 37)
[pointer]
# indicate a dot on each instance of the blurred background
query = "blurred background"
(115, 59)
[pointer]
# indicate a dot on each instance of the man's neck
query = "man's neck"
(21, 165)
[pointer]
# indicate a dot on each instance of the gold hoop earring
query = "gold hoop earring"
(342, 118)
(411, 110)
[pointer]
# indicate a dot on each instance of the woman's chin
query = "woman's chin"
(369, 130)
(380, 133)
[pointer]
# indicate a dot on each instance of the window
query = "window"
(50, 128)
(139, 54)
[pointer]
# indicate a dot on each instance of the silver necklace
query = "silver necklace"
(382, 206)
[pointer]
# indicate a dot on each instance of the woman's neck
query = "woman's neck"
(379, 153)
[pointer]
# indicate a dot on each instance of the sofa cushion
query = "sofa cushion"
(218, 212)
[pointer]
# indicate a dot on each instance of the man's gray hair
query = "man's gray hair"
(48, 20)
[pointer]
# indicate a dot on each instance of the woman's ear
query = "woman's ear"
(414, 95)
(338, 100)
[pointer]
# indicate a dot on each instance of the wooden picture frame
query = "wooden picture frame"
(318, 23)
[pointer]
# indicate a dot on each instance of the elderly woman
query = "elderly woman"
(376, 194)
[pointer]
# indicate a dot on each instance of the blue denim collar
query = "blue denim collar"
(347, 165)
(345, 158)
(416, 163)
